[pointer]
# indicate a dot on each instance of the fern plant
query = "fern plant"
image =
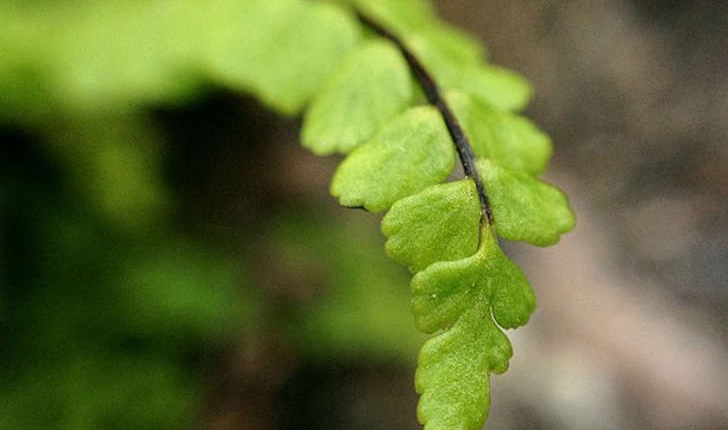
(409, 97)
(404, 96)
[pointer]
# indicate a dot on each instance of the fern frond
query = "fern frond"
(400, 93)
(464, 288)
(401, 148)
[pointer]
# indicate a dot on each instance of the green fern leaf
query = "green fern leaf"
(467, 299)
(440, 223)
(365, 92)
(410, 153)
(281, 50)
(453, 373)
(496, 86)
(524, 207)
(501, 88)
(510, 140)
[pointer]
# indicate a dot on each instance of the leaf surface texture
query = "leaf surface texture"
(438, 224)
(525, 208)
(466, 300)
(410, 153)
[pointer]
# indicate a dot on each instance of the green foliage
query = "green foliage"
(445, 290)
(464, 294)
(506, 138)
(88, 66)
(465, 291)
(464, 287)
(111, 56)
(457, 70)
(525, 208)
(295, 46)
(466, 299)
(412, 151)
(371, 86)
(439, 224)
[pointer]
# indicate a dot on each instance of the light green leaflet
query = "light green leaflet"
(496, 86)
(508, 139)
(524, 207)
(448, 289)
(455, 58)
(410, 153)
(439, 224)
(370, 87)
(466, 298)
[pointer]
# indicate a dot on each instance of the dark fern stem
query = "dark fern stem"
(434, 96)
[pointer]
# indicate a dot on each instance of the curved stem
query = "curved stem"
(434, 96)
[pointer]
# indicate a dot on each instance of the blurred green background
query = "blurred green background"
(170, 258)
(164, 262)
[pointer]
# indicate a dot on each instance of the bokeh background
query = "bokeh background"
(170, 258)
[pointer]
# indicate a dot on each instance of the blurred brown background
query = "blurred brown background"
(632, 327)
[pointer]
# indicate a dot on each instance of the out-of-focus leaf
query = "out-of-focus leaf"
(496, 86)
(400, 15)
(282, 50)
(510, 140)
